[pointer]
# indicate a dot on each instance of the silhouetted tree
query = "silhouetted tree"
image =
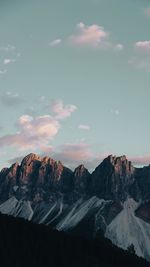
(131, 249)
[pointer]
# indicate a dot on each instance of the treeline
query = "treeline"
(24, 244)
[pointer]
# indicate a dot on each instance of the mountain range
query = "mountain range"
(113, 200)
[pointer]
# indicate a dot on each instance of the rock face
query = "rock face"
(81, 179)
(38, 179)
(143, 211)
(116, 196)
(113, 178)
(8, 179)
(142, 176)
(35, 178)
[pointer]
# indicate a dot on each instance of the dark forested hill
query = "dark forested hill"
(24, 244)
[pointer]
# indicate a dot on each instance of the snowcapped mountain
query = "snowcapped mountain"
(114, 199)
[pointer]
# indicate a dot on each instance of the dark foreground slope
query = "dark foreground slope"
(24, 244)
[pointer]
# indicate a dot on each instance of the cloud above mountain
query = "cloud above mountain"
(36, 132)
(140, 160)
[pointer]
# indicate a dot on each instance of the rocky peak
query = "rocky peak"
(121, 164)
(81, 178)
(30, 158)
(14, 168)
(113, 177)
(80, 171)
(29, 168)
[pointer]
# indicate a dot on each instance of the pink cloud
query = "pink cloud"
(74, 154)
(141, 160)
(33, 133)
(89, 35)
(143, 45)
(62, 111)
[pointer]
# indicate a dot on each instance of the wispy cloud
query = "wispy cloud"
(62, 111)
(84, 127)
(55, 42)
(74, 154)
(7, 61)
(9, 99)
(141, 55)
(93, 35)
(140, 160)
(119, 47)
(143, 46)
(8, 48)
(140, 63)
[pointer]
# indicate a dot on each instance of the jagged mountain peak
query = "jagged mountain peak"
(55, 194)
(30, 157)
(118, 160)
(80, 170)
(117, 164)
(113, 178)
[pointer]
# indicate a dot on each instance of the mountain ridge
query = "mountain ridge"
(114, 178)
(45, 191)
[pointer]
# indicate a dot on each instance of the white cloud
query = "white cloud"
(56, 42)
(84, 127)
(141, 60)
(143, 45)
(93, 35)
(32, 133)
(8, 61)
(62, 111)
(7, 48)
(119, 47)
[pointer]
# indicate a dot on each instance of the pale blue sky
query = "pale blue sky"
(104, 71)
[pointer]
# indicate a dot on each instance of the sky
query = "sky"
(75, 80)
